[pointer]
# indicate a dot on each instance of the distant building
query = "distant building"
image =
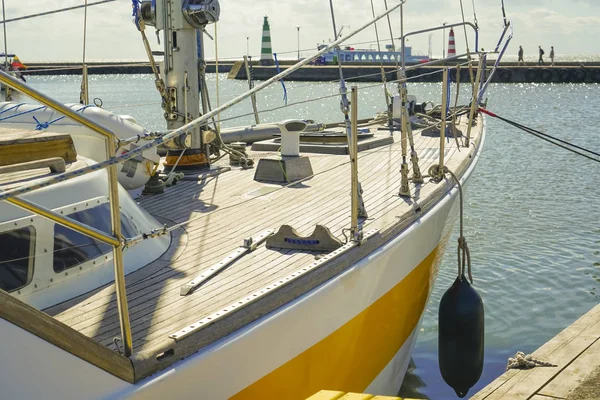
(366, 56)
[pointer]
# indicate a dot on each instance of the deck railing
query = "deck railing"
(115, 239)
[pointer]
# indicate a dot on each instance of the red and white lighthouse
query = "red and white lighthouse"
(451, 44)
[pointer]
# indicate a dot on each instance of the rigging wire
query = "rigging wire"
(344, 104)
(383, 77)
(546, 137)
(391, 32)
(5, 42)
(329, 96)
(84, 29)
(437, 71)
(4, 21)
(471, 74)
(503, 14)
(218, 123)
(475, 14)
(462, 11)
(84, 95)
(162, 137)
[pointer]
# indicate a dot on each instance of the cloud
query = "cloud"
(570, 25)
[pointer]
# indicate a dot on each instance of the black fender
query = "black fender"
(564, 76)
(545, 75)
(579, 75)
(531, 75)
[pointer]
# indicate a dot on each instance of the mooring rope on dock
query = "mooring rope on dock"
(526, 361)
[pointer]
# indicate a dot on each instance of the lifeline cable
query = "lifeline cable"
(544, 136)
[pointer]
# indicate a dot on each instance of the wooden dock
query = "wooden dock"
(575, 352)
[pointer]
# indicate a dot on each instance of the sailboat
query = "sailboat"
(288, 267)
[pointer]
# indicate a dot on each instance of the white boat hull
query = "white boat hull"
(353, 333)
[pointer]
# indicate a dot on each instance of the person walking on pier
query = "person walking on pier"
(541, 59)
(552, 55)
(521, 61)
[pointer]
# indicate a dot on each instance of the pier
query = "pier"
(565, 73)
(576, 353)
(105, 68)
(507, 73)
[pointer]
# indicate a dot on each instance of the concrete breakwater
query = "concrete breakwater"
(108, 68)
(507, 73)
(504, 74)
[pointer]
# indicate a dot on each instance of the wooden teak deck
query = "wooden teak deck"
(224, 209)
(575, 352)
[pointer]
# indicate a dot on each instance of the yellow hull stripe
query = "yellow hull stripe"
(350, 358)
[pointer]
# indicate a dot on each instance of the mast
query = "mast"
(179, 21)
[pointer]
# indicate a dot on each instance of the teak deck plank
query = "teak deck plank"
(225, 246)
(267, 263)
(176, 289)
(225, 209)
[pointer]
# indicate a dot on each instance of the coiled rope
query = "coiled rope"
(522, 361)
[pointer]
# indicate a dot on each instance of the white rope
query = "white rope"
(523, 361)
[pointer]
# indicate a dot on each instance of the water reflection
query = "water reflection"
(531, 222)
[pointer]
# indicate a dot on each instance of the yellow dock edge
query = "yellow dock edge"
(335, 395)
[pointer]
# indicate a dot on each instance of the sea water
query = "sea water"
(532, 210)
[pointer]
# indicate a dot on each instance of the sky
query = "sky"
(571, 26)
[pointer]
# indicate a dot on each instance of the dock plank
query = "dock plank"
(575, 374)
(575, 351)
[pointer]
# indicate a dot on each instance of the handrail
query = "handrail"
(65, 221)
(113, 199)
